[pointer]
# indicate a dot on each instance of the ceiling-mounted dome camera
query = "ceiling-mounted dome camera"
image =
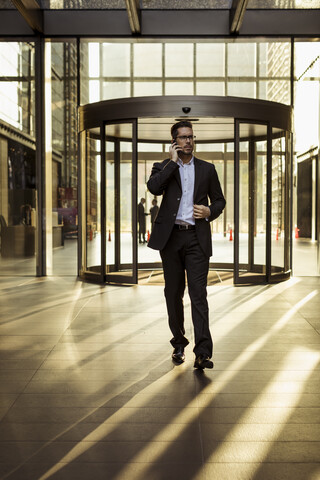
(186, 109)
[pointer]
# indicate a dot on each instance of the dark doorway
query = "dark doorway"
(304, 198)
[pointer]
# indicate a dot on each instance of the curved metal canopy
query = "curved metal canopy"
(212, 117)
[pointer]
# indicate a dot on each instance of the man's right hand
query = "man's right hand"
(173, 151)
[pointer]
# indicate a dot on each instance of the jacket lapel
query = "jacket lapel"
(177, 177)
(197, 176)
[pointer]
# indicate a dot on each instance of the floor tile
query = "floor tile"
(262, 471)
(235, 452)
(103, 471)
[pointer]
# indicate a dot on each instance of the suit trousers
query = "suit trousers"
(181, 257)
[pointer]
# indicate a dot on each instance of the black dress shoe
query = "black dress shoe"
(178, 355)
(203, 361)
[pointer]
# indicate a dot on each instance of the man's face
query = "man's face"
(185, 140)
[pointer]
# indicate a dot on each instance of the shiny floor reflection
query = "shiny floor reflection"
(88, 389)
(64, 259)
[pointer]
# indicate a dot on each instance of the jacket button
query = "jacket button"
(178, 198)
(174, 214)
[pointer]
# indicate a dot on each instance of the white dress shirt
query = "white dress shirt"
(185, 212)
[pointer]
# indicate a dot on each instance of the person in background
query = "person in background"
(153, 212)
(142, 221)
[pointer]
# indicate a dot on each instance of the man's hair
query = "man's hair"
(176, 126)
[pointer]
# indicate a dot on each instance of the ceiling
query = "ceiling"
(139, 18)
(165, 4)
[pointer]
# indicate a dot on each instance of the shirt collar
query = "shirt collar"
(183, 164)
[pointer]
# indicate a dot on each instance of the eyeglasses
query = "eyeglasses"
(186, 137)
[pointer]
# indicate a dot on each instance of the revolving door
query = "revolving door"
(248, 141)
(108, 215)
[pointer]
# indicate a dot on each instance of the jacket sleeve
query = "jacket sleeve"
(216, 196)
(161, 174)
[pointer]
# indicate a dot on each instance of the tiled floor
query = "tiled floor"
(88, 390)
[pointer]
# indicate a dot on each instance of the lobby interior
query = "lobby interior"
(88, 389)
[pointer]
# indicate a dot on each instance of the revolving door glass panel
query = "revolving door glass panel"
(250, 203)
(280, 203)
(120, 202)
(92, 223)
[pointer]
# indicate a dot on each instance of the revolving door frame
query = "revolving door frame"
(248, 111)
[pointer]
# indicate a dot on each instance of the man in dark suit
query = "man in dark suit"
(182, 234)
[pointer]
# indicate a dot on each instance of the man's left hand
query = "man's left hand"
(201, 211)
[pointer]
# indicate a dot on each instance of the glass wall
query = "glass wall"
(306, 188)
(64, 157)
(119, 68)
(252, 69)
(277, 204)
(18, 175)
(93, 210)
(18, 204)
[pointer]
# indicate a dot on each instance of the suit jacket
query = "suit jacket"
(165, 180)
